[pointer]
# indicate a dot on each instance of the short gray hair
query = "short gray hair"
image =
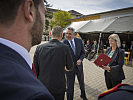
(56, 31)
(116, 38)
(72, 29)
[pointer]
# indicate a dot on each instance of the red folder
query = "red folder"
(102, 60)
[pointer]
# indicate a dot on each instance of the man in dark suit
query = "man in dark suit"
(50, 60)
(19, 22)
(77, 52)
(93, 50)
(87, 48)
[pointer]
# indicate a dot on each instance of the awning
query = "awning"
(123, 24)
(120, 25)
(98, 25)
(77, 25)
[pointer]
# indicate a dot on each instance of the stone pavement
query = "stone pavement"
(94, 79)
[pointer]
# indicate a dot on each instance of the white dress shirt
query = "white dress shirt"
(18, 48)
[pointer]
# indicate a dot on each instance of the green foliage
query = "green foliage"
(46, 24)
(61, 19)
(46, 4)
(47, 15)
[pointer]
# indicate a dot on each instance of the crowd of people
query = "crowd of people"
(51, 67)
(21, 27)
(91, 48)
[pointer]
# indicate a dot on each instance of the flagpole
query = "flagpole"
(98, 44)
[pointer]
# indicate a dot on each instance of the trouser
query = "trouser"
(58, 96)
(78, 70)
(109, 82)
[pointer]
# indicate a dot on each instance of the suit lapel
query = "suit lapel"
(75, 46)
(69, 46)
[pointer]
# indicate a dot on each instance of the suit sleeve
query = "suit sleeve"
(35, 60)
(82, 51)
(69, 61)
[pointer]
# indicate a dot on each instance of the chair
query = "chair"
(127, 57)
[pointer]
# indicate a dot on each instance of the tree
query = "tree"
(47, 16)
(46, 4)
(46, 24)
(61, 19)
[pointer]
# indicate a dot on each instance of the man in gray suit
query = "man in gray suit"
(50, 60)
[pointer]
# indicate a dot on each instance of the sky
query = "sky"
(90, 6)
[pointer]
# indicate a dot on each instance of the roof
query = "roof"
(103, 12)
(52, 10)
(74, 12)
(70, 11)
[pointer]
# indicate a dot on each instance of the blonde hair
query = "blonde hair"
(116, 38)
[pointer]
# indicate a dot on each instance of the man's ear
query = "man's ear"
(61, 35)
(29, 10)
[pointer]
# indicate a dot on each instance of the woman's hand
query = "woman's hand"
(66, 69)
(106, 68)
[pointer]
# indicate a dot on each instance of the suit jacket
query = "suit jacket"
(94, 47)
(116, 64)
(88, 47)
(17, 81)
(50, 60)
(124, 48)
(79, 49)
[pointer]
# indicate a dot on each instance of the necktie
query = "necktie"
(72, 45)
(34, 70)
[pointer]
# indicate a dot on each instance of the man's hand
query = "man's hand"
(93, 50)
(79, 62)
(66, 69)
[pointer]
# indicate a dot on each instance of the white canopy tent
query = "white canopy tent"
(77, 25)
(98, 25)
(122, 24)
(112, 24)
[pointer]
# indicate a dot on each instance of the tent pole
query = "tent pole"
(98, 44)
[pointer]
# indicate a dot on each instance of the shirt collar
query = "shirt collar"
(18, 48)
(71, 40)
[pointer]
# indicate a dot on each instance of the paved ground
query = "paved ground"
(94, 79)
